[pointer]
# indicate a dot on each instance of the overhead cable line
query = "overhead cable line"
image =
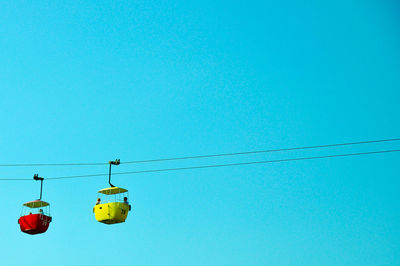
(49, 164)
(262, 151)
(204, 156)
(220, 165)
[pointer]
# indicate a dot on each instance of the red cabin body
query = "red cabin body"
(34, 223)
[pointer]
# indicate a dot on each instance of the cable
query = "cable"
(203, 156)
(50, 164)
(261, 151)
(225, 165)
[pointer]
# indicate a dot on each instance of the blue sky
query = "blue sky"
(91, 81)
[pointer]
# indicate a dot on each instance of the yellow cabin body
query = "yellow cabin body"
(111, 212)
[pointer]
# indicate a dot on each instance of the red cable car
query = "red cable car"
(35, 216)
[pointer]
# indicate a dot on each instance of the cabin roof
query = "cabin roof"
(36, 204)
(112, 190)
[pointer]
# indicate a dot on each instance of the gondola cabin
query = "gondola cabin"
(35, 217)
(112, 205)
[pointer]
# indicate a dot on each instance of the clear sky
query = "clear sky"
(91, 81)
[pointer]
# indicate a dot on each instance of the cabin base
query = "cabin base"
(111, 213)
(34, 223)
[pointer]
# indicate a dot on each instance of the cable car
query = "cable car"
(35, 215)
(112, 203)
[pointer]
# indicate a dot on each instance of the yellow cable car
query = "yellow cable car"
(114, 207)
(112, 203)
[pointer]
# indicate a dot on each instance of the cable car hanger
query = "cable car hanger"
(116, 162)
(35, 215)
(116, 206)
(37, 178)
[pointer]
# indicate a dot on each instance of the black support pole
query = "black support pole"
(41, 189)
(116, 162)
(109, 176)
(37, 178)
